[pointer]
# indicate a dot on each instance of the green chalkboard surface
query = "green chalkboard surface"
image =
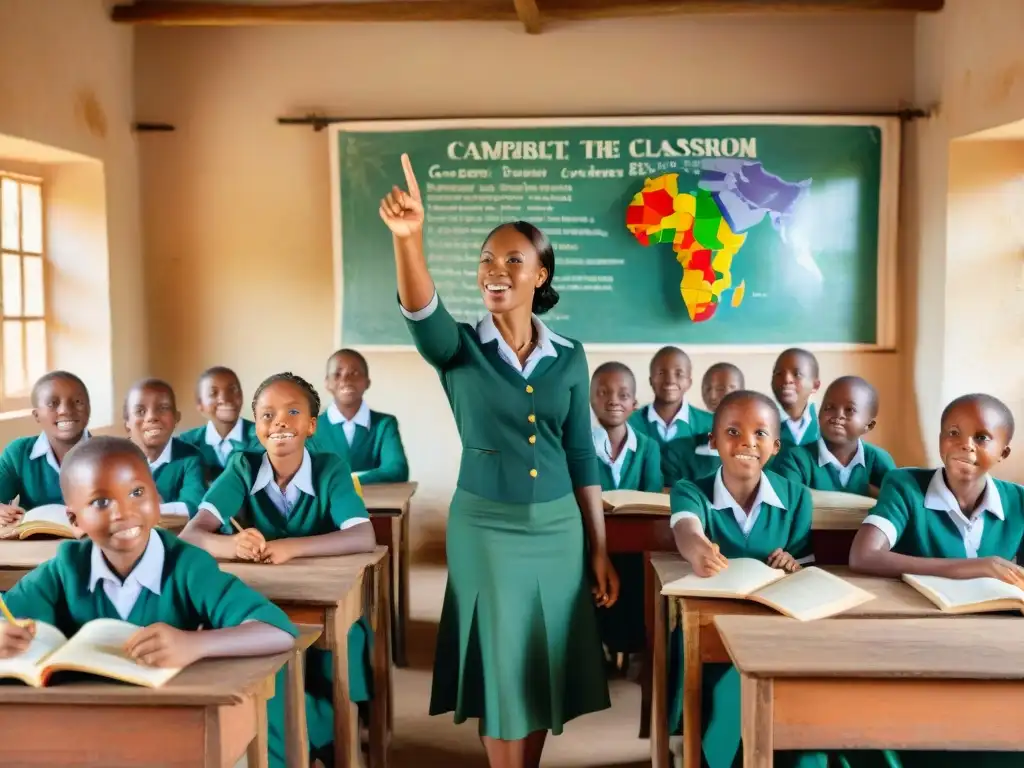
(751, 232)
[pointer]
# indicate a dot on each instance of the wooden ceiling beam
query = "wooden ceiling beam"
(528, 12)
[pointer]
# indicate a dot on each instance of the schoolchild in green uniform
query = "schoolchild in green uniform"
(219, 399)
(794, 381)
(150, 416)
(518, 646)
(840, 460)
(30, 466)
(630, 461)
(127, 569)
(293, 504)
(670, 417)
(368, 439)
(956, 521)
(694, 456)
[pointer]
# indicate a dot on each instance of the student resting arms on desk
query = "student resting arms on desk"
(956, 521)
(629, 461)
(128, 569)
(794, 381)
(693, 456)
(670, 418)
(30, 466)
(219, 399)
(150, 416)
(298, 504)
(518, 645)
(840, 460)
(368, 439)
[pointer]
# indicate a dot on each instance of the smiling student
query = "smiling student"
(219, 399)
(30, 466)
(368, 439)
(794, 381)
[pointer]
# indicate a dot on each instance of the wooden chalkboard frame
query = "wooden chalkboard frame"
(888, 214)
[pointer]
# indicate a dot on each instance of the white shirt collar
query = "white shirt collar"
(303, 480)
(765, 495)
(487, 332)
(41, 447)
(940, 498)
(361, 419)
(603, 446)
(163, 458)
(705, 449)
(798, 426)
(683, 415)
(825, 457)
(148, 573)
(213, 437)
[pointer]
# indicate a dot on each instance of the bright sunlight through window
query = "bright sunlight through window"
(23, 353)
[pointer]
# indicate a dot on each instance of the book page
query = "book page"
(743, 577)
(25, 666)
(968, 595)
(98, 648)
(174, 509)
(812, 593)
(57, 514)
(635, 501)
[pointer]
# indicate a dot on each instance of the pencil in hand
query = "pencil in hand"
(7, 614)
(237, 525)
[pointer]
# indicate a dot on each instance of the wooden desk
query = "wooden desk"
(211, 714)
(863, 684)
(388, 505)
(702, 645)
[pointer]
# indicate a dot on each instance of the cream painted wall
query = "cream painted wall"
(66, 81)
(236, 211)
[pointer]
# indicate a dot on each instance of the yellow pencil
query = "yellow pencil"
(238, 527)
(7, 614)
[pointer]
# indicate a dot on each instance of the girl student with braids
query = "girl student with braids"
(291, 503)
(518, 646)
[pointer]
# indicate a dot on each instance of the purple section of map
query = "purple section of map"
(746, 192)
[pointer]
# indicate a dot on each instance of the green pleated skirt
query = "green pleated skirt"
(517, 646)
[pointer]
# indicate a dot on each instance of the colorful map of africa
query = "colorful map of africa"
(707, 226)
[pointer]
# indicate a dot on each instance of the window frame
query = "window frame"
(22, 401)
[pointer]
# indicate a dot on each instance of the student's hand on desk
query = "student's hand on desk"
(249, 545)
(10, 515)
(990, 567)
(606, 581)
(403, 211)
(161, 645)
(782, 559)
(15, 638)
(279, 551)
(709, 560)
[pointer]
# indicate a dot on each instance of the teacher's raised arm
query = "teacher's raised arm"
(402, 211)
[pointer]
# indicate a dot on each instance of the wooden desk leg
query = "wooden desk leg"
(758, 722)
(659, 677)
(646, 673)
(693, 685)
(296, 728)
(403, 586)
(346, 717)
(380, 705)
(257, 755)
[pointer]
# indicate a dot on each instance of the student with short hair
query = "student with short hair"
(219, 399)
(795, 379)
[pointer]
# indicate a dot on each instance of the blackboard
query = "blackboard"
(746, 232)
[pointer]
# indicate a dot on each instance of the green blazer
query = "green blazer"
(804, 464)
(376, 454)
(180, 477)
(243, 439)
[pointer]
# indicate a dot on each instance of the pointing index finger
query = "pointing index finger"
(410, 177)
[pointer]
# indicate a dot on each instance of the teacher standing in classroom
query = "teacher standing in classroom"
(517, 646)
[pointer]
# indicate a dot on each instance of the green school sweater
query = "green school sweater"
(810, 435)
(803, 464)
(524, 440)
(690, 458)
(641, 469)
(903, 511)
(786, 524)
(32, 480)
(376, 453)
(672, 464)
(181, 478)
(197, 439)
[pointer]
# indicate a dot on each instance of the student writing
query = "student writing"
(299, 505)
(30, 466)
(794, 381)
(368, 439)
(840, 460)
(150, 416)
(219, 399)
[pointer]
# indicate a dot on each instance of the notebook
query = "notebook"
(97, 649)
(968, 595)
(808, 594)
(635, 502)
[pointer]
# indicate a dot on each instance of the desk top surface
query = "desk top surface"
(388, 497)
(209, 682)
(990, 648)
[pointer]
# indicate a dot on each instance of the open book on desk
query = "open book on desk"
(984, 595)
(45, 520)
(635, 503)
(810, 593)
(96, 649)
